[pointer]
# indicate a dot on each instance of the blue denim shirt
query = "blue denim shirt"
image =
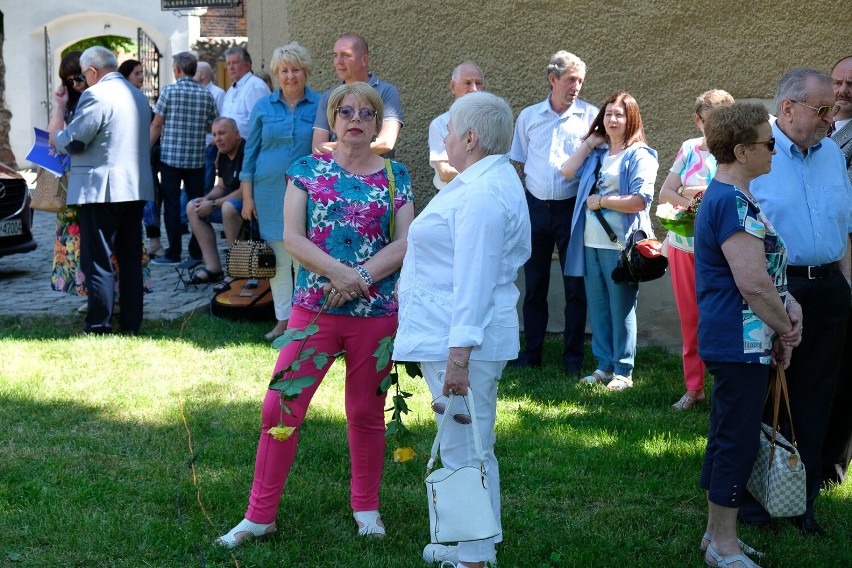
(808, 199)
(277, 138)
(637, 176)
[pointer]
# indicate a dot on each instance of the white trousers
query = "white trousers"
(282, 283)
(457, 449)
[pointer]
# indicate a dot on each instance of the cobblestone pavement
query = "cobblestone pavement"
(25, 282)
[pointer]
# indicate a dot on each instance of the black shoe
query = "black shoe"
(807, 525)
(523, 363)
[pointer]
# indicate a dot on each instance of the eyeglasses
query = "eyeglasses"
(348, 113)
(76, 79)
(821, 111)
(770, 144)
(441, 408)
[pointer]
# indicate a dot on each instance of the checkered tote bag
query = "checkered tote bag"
(778, 478)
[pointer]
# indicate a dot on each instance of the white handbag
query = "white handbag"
(459, 505)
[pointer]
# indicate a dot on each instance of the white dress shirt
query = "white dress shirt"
(544, 140)
(457, 287)
(438, 130)
(241, 98)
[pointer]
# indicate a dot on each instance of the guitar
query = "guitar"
(246, 299)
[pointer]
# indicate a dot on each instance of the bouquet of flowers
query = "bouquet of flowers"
(678, 219)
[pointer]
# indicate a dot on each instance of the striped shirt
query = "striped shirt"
(188, 110)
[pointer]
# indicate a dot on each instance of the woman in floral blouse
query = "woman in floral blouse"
(348, 235)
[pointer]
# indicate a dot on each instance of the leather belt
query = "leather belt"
(814, 272)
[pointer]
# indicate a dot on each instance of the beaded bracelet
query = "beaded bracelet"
(460, 364)
(364, 274)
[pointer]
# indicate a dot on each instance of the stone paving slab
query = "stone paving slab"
(25, 282)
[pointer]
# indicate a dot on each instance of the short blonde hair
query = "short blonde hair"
(712, 99)
(361, 90)
(294, 54)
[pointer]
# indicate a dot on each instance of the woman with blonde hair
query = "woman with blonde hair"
(693, 168)
(280, 130)
(339, 212)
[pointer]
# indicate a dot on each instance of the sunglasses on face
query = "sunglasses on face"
(770, 144)
(348, 113)
(76, 79)
(441, 408)
(821, 111)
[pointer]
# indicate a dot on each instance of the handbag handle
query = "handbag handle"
(477, 442)
(392, 191)
(778, 389)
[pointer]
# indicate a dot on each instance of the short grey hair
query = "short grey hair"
(239, 50)
(229, 120)
(98, 57)
(294, 54)
(794, 85)
(489, 116)
(186, 62)
(562, 61)
(457, 71)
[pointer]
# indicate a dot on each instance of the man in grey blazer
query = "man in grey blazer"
(110, 179)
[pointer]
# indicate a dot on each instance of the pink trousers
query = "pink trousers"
(359, 337)
(682, 266)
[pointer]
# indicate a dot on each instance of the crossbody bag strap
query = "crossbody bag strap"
(392, 191)
(477, 442)
(598, 213)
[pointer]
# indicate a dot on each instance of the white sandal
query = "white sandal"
(619, 383)
(368, 524)
(729, 561)
(597, 376)
(249, 530)
(743, 546)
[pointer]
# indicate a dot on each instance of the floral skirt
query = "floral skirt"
(67, 276)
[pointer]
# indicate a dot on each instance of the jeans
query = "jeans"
(612, 313)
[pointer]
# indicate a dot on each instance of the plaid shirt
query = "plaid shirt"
(188, 110)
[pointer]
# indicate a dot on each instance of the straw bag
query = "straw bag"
(459, 505)
(778, 480)
(249, 256)
(50, 192)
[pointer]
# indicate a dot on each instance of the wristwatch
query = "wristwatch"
(214, 205)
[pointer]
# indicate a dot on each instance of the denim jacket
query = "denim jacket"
(637, 176)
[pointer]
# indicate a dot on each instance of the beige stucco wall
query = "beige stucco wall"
(664, 53)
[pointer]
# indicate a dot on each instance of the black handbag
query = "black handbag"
(250, 256)
(641, 259)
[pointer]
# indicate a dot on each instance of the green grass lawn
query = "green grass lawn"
(96, 468)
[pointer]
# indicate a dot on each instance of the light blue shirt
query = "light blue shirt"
(808, 199)
(544, 140)
(277, 138)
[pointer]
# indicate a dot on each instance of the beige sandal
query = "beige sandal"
(619, 383)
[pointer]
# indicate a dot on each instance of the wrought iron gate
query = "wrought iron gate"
(150, 57)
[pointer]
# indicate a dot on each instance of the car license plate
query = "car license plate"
(11, 228)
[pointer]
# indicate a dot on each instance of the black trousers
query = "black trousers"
(812, 375)
(193, 181)
(108, 229)
(837, 447)
(551, 225)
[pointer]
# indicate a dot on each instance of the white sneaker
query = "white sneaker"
(433, 553)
